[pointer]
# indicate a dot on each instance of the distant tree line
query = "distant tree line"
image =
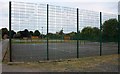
(110, 30)
(26, 33)
(109, 33)
(20, 34)
(87, 33)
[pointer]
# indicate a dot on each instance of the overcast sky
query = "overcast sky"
(108, 6)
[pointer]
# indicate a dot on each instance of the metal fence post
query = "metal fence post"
(100, 33)
(10, 43)
(77, 33)
(47, 31)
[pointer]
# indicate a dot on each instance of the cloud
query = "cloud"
(3, 14)
(103, 6)
(67, 0)
(108, 7)
(4, 22)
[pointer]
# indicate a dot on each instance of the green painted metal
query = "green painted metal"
(47, 31)
(77, 33)
(10, 43)
(100, 33)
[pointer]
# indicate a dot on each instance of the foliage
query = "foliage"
(55, 36)
(31, 33)
(110, 30)
(89, 33)
(18, 35)
(36, 33)
(109, 33)
(12, 33)
(4, 31)
(61, 32)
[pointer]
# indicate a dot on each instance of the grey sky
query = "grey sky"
(107, 6)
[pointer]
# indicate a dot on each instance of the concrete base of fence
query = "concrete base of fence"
(15, 63)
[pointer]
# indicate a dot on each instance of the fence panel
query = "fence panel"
(109, 34)
(89, 35)
(49, 32)
(62, 28)
(29, 23)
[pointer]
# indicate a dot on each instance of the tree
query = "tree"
(12, 33)
(90, 33)
(110, 30)
(24, 33)
(36, 33)
(95, 33)
(18, 35)
(61, 32)
(31, 33)
(86, 33)
(4, 31)
(73, 35)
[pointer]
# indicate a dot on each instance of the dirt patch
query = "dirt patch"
(106, 63)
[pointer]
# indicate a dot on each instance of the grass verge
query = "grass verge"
(75, 65)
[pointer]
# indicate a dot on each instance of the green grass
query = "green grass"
(38, 41)
(81, 64)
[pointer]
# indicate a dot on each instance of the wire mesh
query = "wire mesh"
(89, 27)
(110, 34)
(51, 32)
(62, 23)
(29, 22)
